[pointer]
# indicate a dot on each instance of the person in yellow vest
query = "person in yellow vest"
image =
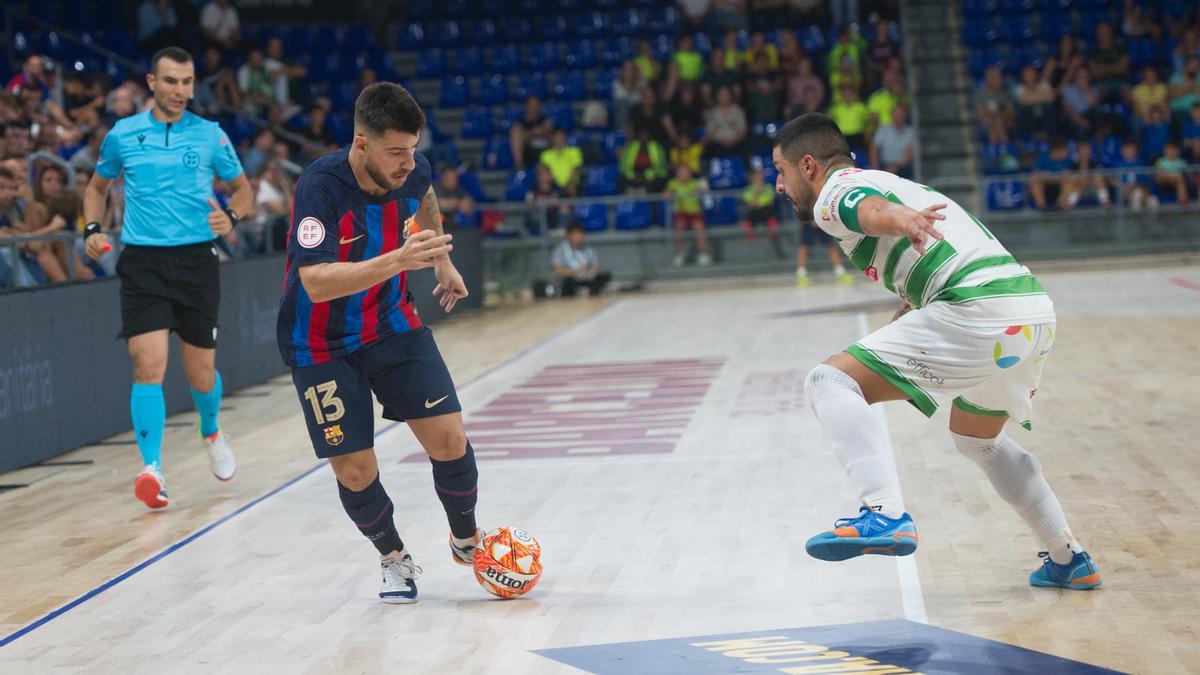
(643, 164)
(564, 162)
(686, 151)
(649, 66)
(690, 61)
(852, 117)
(687, 192)
(759, 200)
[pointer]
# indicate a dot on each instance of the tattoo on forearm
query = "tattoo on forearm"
(431, 212)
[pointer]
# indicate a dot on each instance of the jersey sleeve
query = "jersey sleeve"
(314, 228)
(225, 160)
(837, 211)
(108, 164)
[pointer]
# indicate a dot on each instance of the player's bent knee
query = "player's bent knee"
(357, 470)
(825, 380)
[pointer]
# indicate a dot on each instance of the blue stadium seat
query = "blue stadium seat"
(1089, 20)
(721, 211)
(612, 144)
(564, 6)
(616, 51)
(543, 57)
(624, 22)
(505, 59)
(470, 182)
(729, 172)
(455, 92)
(1016, 30)
(601, 181)
(510, 116)
(453, 9)
(412, 38)
(551, 27)
(344, 95)
(533, 7)
(492, 90)
(1053, 26)
(532, 84)
(764, 164)
(492, 8)
(468, 61)
(978, 8)
(662, 19)
(602, 82)
(994, 158)
(980, 33)
(590, 25)
(449, 35)
(580, 55)
(570, 86)
(1142, 52)
(516, 29)
(431, 63)
(562, 114)
(1023, 7)
(662, 47)
(481, 33)
(1055, 5)
(593, 216)
(1028, 54)
(519, 182)
(703, 44)
(1005, 196)
(477, 122)
(633, 215)
(813, 39)
(1109, 151)
(497, 154)
(1097, 4)
(341, 125)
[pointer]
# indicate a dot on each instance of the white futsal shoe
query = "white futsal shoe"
(399, 578)
(220, 456)
(465, 555)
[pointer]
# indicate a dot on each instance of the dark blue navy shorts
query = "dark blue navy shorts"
(811, 235)
(406, 373)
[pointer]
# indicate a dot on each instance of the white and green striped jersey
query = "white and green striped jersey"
(969, 269)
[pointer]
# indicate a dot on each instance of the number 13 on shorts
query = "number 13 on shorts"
(338, 409)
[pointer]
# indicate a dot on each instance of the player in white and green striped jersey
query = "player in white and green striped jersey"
(974, 329)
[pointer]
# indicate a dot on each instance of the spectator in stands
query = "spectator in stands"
(12, 223)
(727, 15)
(1049, 184)
(85, 158)
(882, 102)
(853, 119)
(643, 163)
(564, 162)
(695, 12)
(760, 47)
(1109, 61)
(1062, 65)
(849, 44)
(1191, 133)
(50, 255)
(1078, 100)
(32, 74)
(892, 144)
(800, 84)
(10, 108)
(808, 12)
(1187, 47)
(845, 12)
(1134, 23)
(1035, 102)
(626, 92)
(758, 198)
(216, 84)
(687, 192)
(725, 127)
(317, 130)
(767, 14)
(1168, 172)
(458, 208)
(157, 25)
(764, 91)
(652, 115)
(273, 194)
(690, 61)
(1149, 94)
(220, 25)
(1087, 178)
(735, 58)
(790, 50)
(531, 134)
(880, 53)
(1156, 130)
(686, 151)
(687, 112)
(255, 158)
(720, 75)
(544, 189)
(17, 140)
(1132, 185)
(668, 84)
(286, 76)
(255, 83)
(577, 266)
(847, 74)
(646, 62)
(994, 107)
(82, 100)
(1184, 86)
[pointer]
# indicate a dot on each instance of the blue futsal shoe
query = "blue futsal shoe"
(1080, 574)
(869, 533)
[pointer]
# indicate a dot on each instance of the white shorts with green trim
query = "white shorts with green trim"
(984, 370)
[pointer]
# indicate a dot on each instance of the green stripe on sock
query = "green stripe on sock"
(966, 405)
(923, 401)
(935, 258)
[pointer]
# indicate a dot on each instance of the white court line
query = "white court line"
(910, 581)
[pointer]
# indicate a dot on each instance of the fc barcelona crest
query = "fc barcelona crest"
(411, 227)
(333, 434)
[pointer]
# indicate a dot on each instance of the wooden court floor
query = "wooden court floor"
(659, 447)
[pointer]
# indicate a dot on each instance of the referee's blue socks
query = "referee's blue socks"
(149, 414)
(209, 406)
(456, 482)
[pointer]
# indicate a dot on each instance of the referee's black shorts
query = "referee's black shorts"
(171, 287)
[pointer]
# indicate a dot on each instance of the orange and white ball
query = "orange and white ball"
(508, 563)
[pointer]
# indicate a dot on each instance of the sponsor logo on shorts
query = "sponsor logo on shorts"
(429, 405)
(925, 372)
(310, 232)
(333, 434)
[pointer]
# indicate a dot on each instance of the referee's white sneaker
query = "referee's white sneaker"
(220, 456)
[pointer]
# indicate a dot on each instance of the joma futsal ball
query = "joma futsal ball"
(508, 563)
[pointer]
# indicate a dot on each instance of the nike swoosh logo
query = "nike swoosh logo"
(429, 405)
(345, 241)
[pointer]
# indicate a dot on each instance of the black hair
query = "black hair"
(813, 134)
(176, 54)
(385, 106)
(6, 174)
(575, 226)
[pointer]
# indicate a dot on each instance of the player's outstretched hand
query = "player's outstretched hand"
(451, 286)
(423, 249)
(918, 226)
(218, 220)
(97, 245)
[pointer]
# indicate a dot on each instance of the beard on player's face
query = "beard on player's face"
(802, 197)
(383, 178)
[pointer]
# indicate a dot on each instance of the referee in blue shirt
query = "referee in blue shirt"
(168, 268)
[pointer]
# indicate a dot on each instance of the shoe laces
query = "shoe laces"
(401, 569)
(1045, 556)
(863, 514)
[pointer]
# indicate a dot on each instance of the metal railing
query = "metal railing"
(1113, 179)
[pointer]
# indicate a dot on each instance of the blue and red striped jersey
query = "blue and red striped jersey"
(334, 220)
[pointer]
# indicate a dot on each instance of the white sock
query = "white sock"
(858, 437)
(839, 270)
(462, 543)
(801, 271)
(1017, 477)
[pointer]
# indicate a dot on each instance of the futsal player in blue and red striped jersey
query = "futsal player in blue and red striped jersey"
(363, 218)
